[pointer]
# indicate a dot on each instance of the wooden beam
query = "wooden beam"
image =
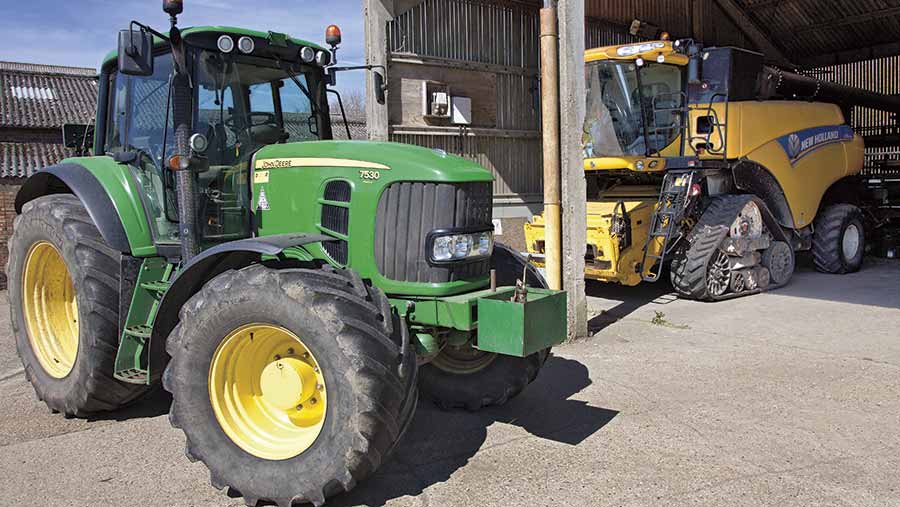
(766, 3)
(435, 61)
(760, 38)
(377, 14)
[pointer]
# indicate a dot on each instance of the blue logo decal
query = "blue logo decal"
(802, 143)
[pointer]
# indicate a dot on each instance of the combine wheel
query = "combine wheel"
(839, 239)
(464, 377)
(779, 260)
(64, 307)
(290, 385)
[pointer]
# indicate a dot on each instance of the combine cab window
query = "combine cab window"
(631, 110)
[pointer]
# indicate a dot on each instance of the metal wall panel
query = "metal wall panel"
(497, 46)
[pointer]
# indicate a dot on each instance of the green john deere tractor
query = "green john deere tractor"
(292, 292)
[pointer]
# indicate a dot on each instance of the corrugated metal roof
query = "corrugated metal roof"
(45, 96)
(806, 28)
(20, 160)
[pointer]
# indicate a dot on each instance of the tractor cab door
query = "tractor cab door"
(136, 126)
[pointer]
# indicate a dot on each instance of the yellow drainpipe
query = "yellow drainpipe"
(550, 127)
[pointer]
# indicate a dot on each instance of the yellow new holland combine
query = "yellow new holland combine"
(710, 161)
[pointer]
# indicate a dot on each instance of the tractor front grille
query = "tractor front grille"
(408, 211)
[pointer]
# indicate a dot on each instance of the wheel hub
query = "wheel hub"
(267, 391)
(287, 383)
(850, 242)
(50, 309)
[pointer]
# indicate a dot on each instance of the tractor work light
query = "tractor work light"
(333, 35)
(447, 246)
(225, 44)
(246, 45)
(323, 58)
(308, 54)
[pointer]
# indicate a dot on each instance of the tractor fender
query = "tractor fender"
(757, 180)
(76, 179)
(204, 267)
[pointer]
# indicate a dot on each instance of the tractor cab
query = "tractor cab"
(251, 90)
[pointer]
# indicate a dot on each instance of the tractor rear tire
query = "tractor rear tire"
(338, 327)
(64, 307)
(464, 377)
(839, 239)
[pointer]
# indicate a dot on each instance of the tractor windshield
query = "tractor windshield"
(631, 109)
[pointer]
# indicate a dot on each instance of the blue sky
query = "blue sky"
(81, 32)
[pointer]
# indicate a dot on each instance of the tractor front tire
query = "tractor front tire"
(839, 239)
(290, 385)
(64, 307)
(464, 377)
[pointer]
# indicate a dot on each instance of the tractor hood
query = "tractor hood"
(397, 161)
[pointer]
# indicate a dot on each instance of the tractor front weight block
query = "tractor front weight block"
(497, 323)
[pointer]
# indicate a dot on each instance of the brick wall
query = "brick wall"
(8, 191)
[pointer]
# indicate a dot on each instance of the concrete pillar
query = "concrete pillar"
(376, 15)
(574, 189)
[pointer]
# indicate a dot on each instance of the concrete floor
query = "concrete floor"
(785, 398)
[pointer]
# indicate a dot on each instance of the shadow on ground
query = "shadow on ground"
(154, 404)
(629, 299)
(440, 442)
(874, 285)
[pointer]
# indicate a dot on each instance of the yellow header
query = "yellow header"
(649, 51)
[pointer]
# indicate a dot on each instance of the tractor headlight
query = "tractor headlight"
(455, 246)
(323, 58)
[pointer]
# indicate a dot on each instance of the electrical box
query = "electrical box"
(462, 111)
(435, 100)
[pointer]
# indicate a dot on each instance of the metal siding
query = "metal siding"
(879, 75)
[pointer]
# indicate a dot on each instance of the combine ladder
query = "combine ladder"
(664, 222)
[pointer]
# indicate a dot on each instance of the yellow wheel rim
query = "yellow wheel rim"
(267, 391)
(51, 312)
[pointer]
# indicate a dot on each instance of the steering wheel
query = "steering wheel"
(257, 119)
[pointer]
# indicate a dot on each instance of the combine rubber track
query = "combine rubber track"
(691, 267)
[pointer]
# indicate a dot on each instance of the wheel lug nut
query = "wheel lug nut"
(316, 369)
(299, 407)
(312, 401)
(277, 357)
(306, 355)
(290, 352)
(319, 387)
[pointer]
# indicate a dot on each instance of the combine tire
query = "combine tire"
(64, 307)
(290, 385)
(839, 239)
(464, 377)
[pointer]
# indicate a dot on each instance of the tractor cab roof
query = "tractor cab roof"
(649, 51)
(198, 32)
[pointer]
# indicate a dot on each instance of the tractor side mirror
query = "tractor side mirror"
(135, 53)
(379, 87)
(78, 136)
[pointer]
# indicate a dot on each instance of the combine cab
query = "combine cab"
(706, 161)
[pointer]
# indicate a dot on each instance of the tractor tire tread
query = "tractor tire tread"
(98, 391)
